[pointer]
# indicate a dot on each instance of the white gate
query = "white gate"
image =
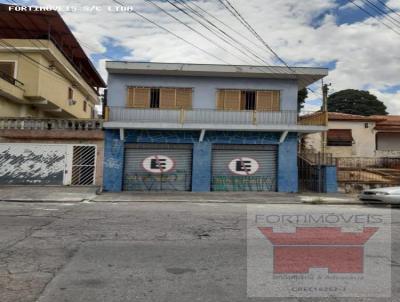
(83, 165)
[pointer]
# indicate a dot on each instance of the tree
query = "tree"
(301, 98)
(358, 102)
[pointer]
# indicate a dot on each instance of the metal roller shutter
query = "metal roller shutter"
(153, 167)
(244, 168)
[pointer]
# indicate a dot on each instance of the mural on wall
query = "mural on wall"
(22, 164)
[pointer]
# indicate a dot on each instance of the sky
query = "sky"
(359, 50)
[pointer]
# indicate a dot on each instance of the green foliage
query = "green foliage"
(358, 102)
(301, 98)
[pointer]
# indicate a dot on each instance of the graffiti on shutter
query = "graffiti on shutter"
(244, 168)
(151, 167)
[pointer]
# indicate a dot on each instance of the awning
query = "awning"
(340, 135)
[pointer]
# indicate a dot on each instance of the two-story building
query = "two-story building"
(192, 127)
(49, 130)
(44, 71)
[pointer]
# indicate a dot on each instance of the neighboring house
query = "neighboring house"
(358, 136)
(388, 136)
(43, 70)
(49, 131)
(192, 127)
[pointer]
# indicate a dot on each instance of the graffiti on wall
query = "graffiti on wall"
(245, 183)
(175, 181)
(32, 164)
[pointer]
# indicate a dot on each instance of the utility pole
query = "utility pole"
(325, 91)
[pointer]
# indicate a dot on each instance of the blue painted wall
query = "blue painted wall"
(113, 161)
(201, 170)
(330, 184)
(202, 154)
(287, 165)
(204, 88)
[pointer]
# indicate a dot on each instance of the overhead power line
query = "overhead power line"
(201, 34)
(386, 16)
(228, 5)
(188, 5)
(218, 32)
(389, 8)
(241, 44)
(172, 33)
(371, 15)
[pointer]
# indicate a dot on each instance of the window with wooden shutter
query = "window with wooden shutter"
(168, 98)
(232, 100)
(129, 98)
(138, 97)
(184, 98)
(228, 99)
(276, 100)
(268, 100)
(220, 99)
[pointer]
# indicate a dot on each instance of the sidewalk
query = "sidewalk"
(47, 193)
(228, 197)
(79, 194)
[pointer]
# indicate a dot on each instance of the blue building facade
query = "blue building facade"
(195, 144)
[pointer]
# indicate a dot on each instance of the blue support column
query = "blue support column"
(330, 184)
(113, 161)
(201, 169)
(287, 165)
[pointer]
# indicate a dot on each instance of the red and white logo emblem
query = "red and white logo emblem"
(244, 166)
(158, 164)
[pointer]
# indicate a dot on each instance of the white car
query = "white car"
(385, 195)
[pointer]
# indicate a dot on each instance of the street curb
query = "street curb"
(42, 201)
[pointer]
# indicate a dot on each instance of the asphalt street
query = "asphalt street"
(75, 252)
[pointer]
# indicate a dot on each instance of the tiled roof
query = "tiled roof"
(338, 116)
(389, 123)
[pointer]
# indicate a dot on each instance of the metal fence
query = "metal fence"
(369, 170)
(206, 116)
(311, 170)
